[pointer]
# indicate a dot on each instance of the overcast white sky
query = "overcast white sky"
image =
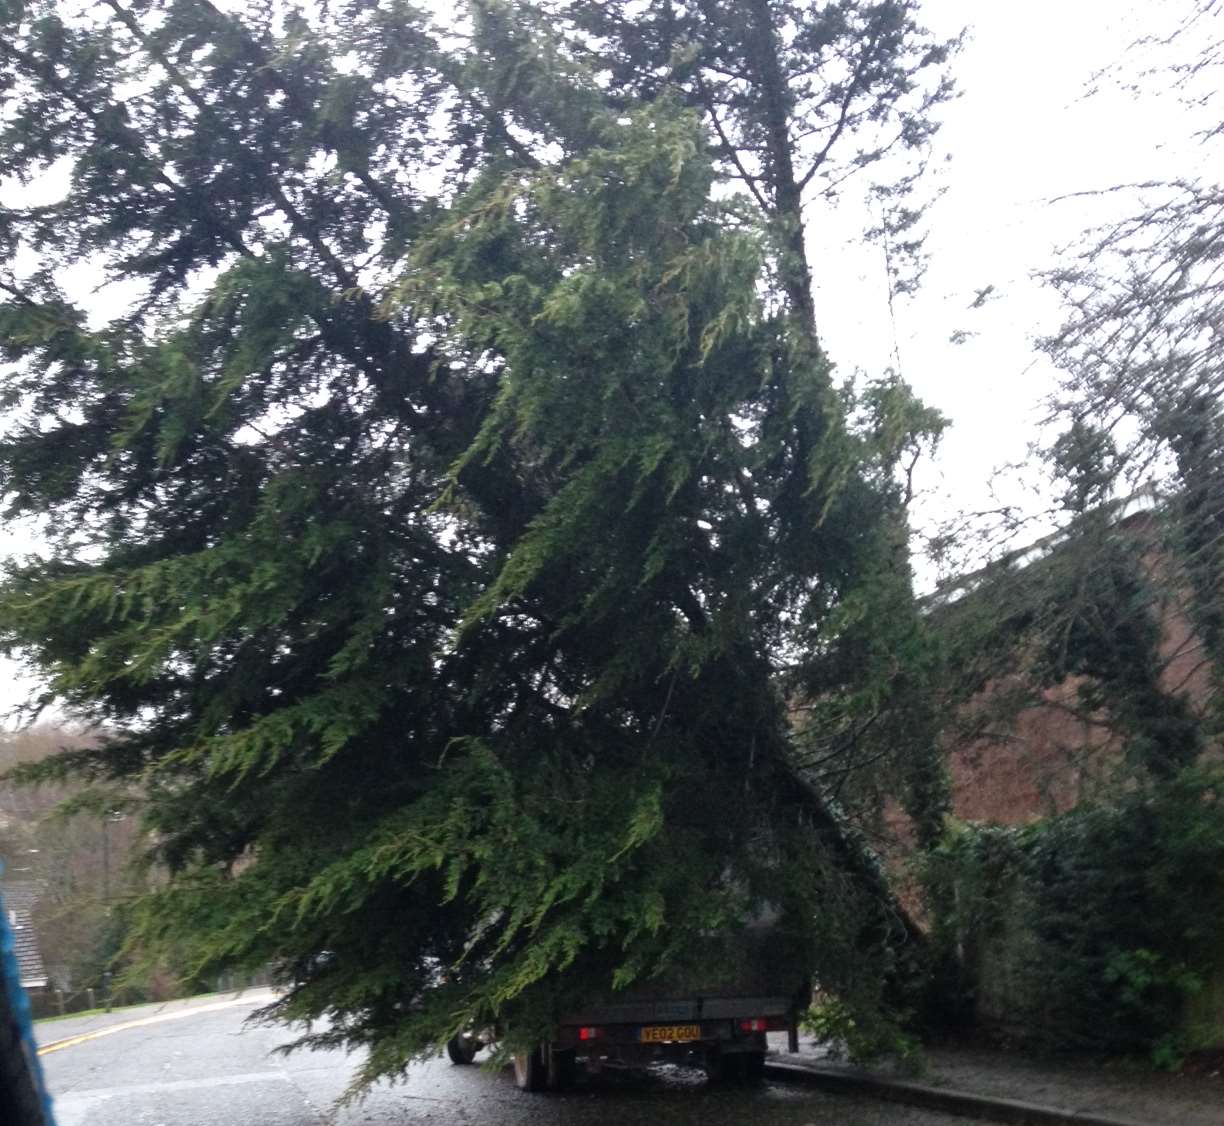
(1021, 134)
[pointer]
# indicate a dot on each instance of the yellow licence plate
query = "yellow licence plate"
(656, 1033)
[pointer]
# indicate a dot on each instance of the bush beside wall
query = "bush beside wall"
(1097, 929)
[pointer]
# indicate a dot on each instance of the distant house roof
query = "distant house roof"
(17, 899)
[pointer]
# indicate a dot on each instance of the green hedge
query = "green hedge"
(1099, 924)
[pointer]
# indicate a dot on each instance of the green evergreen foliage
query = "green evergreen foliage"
(434, 519)
(784, 85)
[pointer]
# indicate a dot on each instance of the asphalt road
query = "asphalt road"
(208, 1068)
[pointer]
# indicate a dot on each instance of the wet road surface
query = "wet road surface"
(212, 1069)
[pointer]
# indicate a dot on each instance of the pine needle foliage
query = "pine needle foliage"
(434, 490)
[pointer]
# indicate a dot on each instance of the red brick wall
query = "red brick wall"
(1051, 757)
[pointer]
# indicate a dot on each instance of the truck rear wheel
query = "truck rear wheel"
(530, 1070)
(562, 1068)
(734, 1067)
(462, 1049)
(720, 1066)
(753, 1067)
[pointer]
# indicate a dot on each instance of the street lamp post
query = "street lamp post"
(108, 819)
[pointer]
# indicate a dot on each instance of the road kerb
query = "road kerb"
(1012, 1111)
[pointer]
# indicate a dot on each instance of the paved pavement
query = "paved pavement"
(1019, 1088)
(210, 1069)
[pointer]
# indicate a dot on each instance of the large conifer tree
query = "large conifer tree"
(431, 518)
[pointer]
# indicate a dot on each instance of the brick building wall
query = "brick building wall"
(1051, 756)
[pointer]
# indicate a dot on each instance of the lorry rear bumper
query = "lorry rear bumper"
(679, 1011)
(633, 1053)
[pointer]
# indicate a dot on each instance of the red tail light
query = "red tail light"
(754, 1024)
(590, 1033)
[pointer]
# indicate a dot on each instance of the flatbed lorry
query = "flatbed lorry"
(720, 1024)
